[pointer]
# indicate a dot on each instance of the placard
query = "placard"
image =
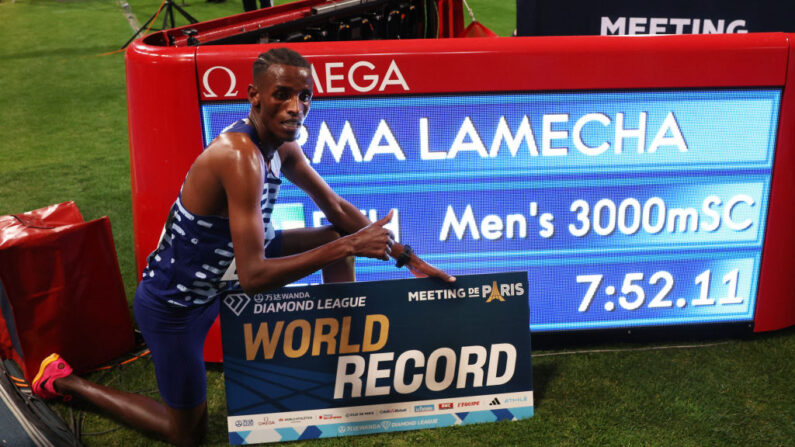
(370, 357)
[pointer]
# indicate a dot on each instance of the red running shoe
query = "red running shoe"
(52, 368)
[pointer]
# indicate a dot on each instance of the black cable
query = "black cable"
(432, 19)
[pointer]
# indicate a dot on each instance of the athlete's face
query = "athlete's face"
(280, 100)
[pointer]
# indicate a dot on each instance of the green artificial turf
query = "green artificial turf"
(63, 136)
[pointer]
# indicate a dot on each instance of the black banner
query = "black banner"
(630, 17)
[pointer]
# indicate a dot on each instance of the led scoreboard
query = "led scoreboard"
(669, 230)
(639, 182)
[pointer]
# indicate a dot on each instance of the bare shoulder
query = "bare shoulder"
(291, 153)
(290, 149)
(231, 152)
(232, 144)
(231, 164)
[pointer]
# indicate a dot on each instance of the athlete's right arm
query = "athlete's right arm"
(240, 171)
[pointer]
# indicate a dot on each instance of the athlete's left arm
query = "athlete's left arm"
(341, 213)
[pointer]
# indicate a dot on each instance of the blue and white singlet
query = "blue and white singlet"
(194, 260)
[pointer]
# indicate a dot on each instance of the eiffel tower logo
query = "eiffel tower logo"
(495, 294)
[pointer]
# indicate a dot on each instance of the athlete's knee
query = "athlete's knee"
(299, 240)
(192, 438)
(189, 438)
(188, 427)
(342, 270)
(331, 233)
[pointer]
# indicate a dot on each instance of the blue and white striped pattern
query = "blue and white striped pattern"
(194, 260)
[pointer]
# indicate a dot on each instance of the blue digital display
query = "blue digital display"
(626, 208)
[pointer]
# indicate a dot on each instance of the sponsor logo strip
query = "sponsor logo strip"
(372, 414)
(325, 430)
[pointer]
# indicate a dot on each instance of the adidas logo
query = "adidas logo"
(236, 302)
(495, 402)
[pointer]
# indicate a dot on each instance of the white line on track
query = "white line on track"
(128, 14)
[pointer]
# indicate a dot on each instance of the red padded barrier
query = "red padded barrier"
(63, 290)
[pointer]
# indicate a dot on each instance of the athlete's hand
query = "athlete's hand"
(421, 269)
(374, 241)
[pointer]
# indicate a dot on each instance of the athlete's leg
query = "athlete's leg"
(177, 426)
(299, 240)
(175, 337)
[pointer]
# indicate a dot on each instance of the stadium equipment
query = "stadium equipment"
(26, 420)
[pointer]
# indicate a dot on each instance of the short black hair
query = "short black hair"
(278, 56)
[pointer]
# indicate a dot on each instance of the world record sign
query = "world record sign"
(370, 357)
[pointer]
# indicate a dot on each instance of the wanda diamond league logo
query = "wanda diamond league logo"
(236, 302)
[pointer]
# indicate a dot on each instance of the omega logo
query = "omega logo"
(362, 76)
(334, 77)
(209, 92)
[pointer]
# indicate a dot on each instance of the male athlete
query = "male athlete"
(219, 224)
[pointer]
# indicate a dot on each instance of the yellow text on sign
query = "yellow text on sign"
(298, 336)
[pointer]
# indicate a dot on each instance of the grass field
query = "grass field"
(63, 136)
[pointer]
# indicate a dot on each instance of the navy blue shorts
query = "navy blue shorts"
(175, 336)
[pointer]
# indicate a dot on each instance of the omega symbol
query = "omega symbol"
(209, 92)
